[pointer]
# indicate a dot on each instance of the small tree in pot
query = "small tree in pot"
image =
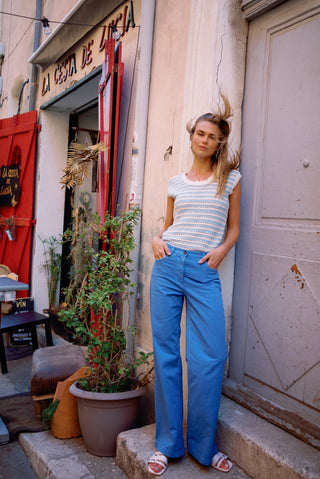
(52, 266)
(95, 316)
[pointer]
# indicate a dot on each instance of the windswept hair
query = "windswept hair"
(221, 165)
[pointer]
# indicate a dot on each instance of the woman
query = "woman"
(201, 226)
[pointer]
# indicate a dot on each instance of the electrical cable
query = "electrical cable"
(61, 23)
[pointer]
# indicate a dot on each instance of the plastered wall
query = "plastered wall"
(198, 52)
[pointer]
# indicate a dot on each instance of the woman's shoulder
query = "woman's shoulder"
(234, 176)
(174, 180)
(233, 179)
(174, 184)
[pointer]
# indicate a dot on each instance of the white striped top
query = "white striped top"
(199, 215)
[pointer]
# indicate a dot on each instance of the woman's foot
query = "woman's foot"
(157, 464)
(221, 462)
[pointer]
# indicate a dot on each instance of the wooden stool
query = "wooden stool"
(51, 365)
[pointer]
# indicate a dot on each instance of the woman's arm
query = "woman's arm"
(160, 247)
(215, 256)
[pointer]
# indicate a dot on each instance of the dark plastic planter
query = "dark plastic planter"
(102, 416)
(59, 327)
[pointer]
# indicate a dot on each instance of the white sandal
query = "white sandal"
(159, 459)
(218, 459)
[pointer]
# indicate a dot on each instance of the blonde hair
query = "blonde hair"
(221, 165)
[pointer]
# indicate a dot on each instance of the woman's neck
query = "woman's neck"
(200, 170)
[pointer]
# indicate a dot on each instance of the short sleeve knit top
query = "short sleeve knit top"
(200, 216)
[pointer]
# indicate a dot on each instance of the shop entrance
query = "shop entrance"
(80, 202)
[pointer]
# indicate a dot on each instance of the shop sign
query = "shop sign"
(85, 56)
(23, 335)
(65, 69)
(9, 185)
(122, 23)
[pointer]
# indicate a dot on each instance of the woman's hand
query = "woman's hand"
(214, 257)
(160, 248)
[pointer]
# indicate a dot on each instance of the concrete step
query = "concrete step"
(53, 458)
(255, 446)
(135, 447)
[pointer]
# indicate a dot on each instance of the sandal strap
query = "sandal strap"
(219, 458)
(159, 458)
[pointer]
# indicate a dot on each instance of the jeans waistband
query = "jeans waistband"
(186, 252)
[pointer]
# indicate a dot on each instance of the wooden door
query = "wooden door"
(110, 90)
(276, 312)
(17, 162)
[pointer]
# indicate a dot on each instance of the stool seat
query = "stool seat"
(53, 364)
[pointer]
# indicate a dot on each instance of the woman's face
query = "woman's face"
(205, 139)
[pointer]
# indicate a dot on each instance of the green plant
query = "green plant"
(10, 222)
(95, 312)
(48, 413)
(79, 242)
(52, 266)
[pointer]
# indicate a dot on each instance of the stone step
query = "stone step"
(135, 447)
(259, 448)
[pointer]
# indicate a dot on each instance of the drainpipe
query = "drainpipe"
(34, 68)
(32, 102)
(139, 142)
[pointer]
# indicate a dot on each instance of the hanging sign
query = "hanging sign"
(9, 185)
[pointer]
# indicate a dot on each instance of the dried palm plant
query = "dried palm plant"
(78, 163)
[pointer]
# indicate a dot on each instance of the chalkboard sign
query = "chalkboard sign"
(22, 336)
(9, 185)
(22, 305)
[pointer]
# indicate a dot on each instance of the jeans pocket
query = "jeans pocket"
(209, 267)
(171, 248)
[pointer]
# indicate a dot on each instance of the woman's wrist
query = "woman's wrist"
(224, 250)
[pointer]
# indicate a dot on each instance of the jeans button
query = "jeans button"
(185, 252)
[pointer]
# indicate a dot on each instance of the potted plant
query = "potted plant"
(95, 314)
(11, 228)
(52, 266)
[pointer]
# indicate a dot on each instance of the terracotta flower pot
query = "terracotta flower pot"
(103, 416)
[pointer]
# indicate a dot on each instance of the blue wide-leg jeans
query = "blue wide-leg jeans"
(175, 278)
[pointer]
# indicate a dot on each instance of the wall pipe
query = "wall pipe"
(20, 96)
(139, 143)
(34, 68)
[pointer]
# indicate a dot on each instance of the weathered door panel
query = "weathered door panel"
(18, 147)
(284, 325)
(276, 333)
(110, 90)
